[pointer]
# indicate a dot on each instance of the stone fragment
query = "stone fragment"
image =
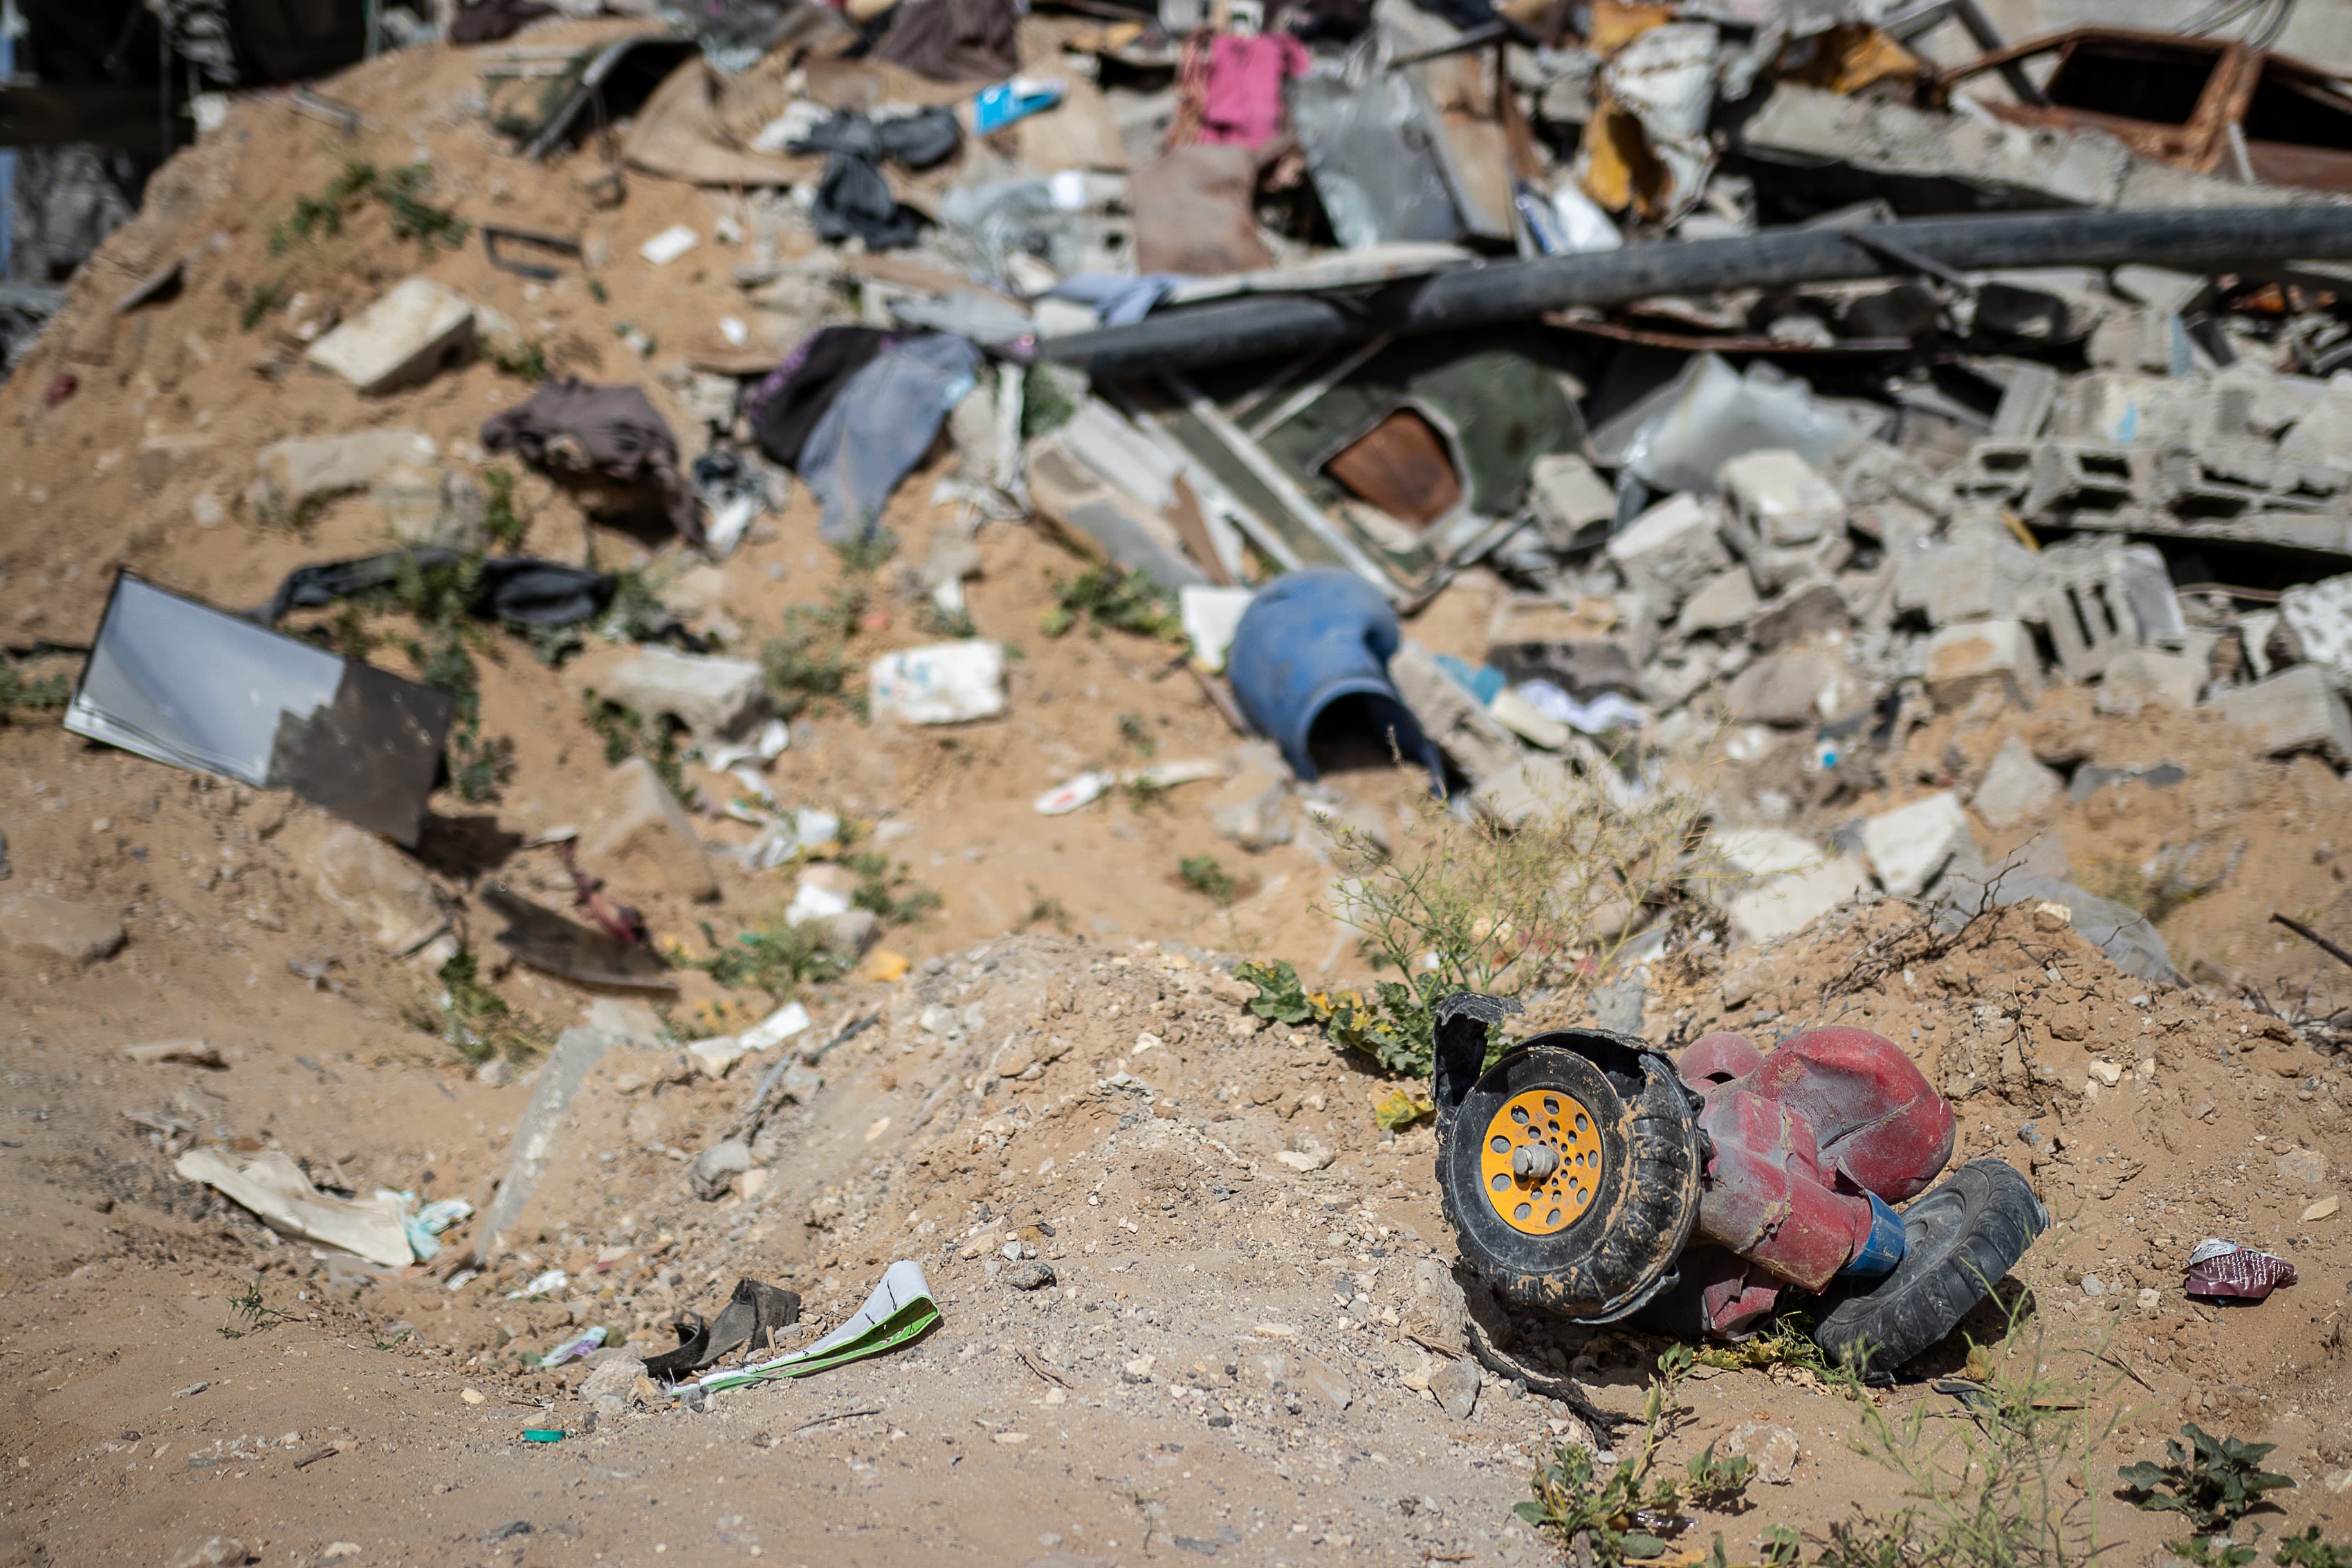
(612, 1377)
(646, 840)
(412, 334)
(166, 456)
(1806, 685)
(1033, 1275)
(1787, 882)
(432, 506)
(1326, 1383)
(1723, 602)
(2145, 675)
(714, 1057)
(1973, 575)
(1910, 846)
(1449, 715)
(2017, 788)
(631, 1023)
(1567, 497)
(1806, 609)
(1786, 521)
(1456, 1385)
(2320, 615)
(2323, 433)
(368, 881)
(717, 699)
(1258, 824)
(213, 1552)
(294, 476)
(1963, 659)
(80, 933)
(716, 1168)
(1772, 1449)
(2293, 711)
(2306, 1167)
(1438, 1309)
(1669, 546)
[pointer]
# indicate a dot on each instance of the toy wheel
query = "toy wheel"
(1570, 1174)
(1958, 1241)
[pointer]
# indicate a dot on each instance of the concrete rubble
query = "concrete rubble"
(1508, 426)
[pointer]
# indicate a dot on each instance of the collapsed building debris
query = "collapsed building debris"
(1840, 542)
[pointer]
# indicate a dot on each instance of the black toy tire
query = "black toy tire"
(1959, 1239)
(1613, 1256)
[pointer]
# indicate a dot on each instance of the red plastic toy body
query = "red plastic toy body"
(1799, 1135)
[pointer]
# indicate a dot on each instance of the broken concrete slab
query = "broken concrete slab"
(1805, 609)
(433, 506)
(576, 1052)
(2146, 675)
(1787, 882)
(2017, 788)
(716, 699)
(1785, 521)
(714, 1171)
(2293, 711)
(1569, 498)
(1101, 516)
(646, 840)
(2320, 615)
(1450, 717)
(1811, 127)
(295, 475)
(1804, 685)
(1258, 824)
(1961, 660)
(80, 933)
(410, 335)
(1673, 544)
(2120, 932)
(1723, 602)
(1971, 575)
(371, 884)
(1912, 845)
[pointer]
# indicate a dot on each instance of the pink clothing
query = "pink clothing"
(1243, 98)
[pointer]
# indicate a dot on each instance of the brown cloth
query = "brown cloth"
(578, 434)
(953, 40)
(1193, 212)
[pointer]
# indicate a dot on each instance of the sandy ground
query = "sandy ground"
(1233, 1358)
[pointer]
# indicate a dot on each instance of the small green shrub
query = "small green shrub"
(1204, 876)
(1631, 1514)
(1112, 596)
(2212, 1483)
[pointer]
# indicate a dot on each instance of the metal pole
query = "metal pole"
(1267, 325)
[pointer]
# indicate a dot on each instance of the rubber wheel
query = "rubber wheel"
(1958, 1241)
(1620, 1249)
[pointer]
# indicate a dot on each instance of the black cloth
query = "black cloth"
(750, 1318)
(853, 199)
(490, 20)
(854, 202)
(519, 588)
(617, 433)
(791, 400)
(918, 140)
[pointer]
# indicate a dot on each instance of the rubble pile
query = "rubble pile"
(656, 651)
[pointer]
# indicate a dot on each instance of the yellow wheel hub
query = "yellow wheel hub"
(1540, 1164)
